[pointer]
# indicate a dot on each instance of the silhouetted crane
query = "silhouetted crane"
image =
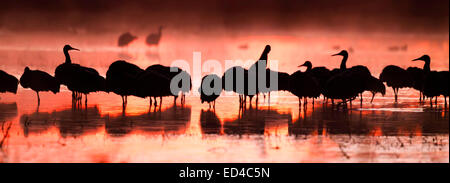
(8, 83)
(213, 81)
(417, 78)
(396, 78)
(154, 38)
(39, 81)
(261, 63)
(303, 85)
(375, 86)
(433, 86)
(122, 79)
(443, 75)
(347, 84)
(235, 79)
(78, 79)
(169, 73)
(125, 39)
(322, 74)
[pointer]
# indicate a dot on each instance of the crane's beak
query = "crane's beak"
(301, 65)
(336, 54)
(75, 49)
(417, 59)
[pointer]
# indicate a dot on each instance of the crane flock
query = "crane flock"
(158, 81)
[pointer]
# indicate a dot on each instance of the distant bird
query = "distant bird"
(154, 38)
(213, 81)
(243, 46)
(347, 84)
(39, 81)
(322, 74)
(183, 86)
(122, 79)
(8, 83)
(304, 85)
(78, 79)
(125, 39)
(396, 77)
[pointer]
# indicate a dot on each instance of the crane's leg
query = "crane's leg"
(420, 96)
(360, 96)
(299, 103)
(431, 101)
(160, 101)
(38, 98)
(85, 99)
(395, 94)
(373, 95)
(209, 105)
(435, 100)
(268, 98)
(150, 101)
(445, 99)
(156, 102)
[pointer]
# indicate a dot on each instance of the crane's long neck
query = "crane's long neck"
(263, 58)
(66, 53)
(344, 62)
(426, 66)
(308, 68)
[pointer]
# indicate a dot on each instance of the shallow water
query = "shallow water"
(279, 132)
(102, 131)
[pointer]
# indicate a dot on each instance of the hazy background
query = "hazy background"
(32, 33)
(269, 15)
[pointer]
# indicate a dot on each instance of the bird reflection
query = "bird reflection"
(255, 121)
(172, 120)
(209, 122)
(71, 122)
(360, 122)
(7, 111)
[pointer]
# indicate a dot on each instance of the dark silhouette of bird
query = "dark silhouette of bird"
(8, 83)
(236, 79)
(304, 85)
(375, 85)
(417, 78)
(79, 79)
(253, 70)
(443, 77)
(207, 90)
(39, 81)
(322, 74)
(396, 77)
(125, 39)
(433, 85)
(122, 79)
(347, 84)
(153, 84)
(165, 88)
(154, 38)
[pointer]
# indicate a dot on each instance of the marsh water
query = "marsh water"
(279, 131)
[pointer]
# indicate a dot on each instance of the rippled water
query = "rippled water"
(102, 131)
